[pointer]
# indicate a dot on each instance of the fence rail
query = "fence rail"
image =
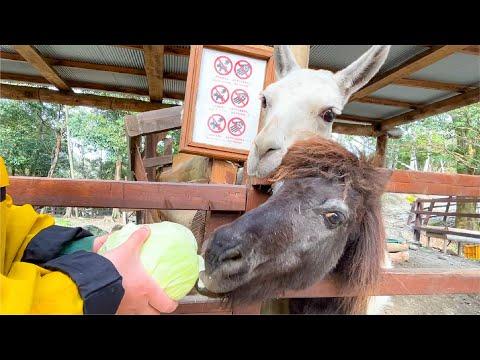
(232, 200)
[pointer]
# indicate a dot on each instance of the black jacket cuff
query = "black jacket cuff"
(99, 283)
(49, 242)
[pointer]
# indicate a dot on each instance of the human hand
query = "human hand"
(142, 294)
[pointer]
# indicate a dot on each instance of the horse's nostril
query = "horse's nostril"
(230, 255)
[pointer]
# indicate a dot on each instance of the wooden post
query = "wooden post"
(382, 149)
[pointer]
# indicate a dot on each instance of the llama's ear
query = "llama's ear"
(361, 71)
(284, 60)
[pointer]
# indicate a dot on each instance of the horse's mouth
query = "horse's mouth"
(222, 281)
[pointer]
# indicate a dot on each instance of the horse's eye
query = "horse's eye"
(328, 115)
(333, 219)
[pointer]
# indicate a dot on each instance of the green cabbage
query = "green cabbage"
(169, 255)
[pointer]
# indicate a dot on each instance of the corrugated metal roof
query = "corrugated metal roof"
(175, 64)
(7, 48)
(102, 77)
(340, 56)
(98, 54)
(174, 86)
(372, 110)
(17, 67)
(410, 94)
(457, 69)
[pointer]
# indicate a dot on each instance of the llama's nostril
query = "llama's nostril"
(230, 255)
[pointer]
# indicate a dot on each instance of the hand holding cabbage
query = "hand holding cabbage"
(156, 272)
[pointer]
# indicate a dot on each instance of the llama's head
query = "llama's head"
(323, 216)
(304, 102)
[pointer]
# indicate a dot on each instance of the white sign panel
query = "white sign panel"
(227, 110)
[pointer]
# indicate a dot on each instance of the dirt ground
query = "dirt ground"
(461, 304)
(395, 211)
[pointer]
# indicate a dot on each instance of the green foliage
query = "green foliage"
(27, 136)
(101, 132)
(443, 143)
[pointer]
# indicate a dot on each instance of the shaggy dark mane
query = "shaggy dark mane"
(359, 267)
(319, 157)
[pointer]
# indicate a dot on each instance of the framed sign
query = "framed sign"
(222, 106)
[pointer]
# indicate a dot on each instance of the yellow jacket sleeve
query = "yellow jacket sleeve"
(37, 279)
(28, 288)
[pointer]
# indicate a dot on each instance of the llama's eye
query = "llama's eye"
(328, 115)
(264, 101)
(333, 219)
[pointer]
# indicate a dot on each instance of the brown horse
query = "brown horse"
(324, 217)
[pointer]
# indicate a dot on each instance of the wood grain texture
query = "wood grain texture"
(33, 56)
(103, 102)
(126, 194)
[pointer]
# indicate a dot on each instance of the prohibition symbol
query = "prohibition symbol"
(223, 65)
(243, 69)
(219, 94)
(240, 98)
(216, 123)
(236, 126)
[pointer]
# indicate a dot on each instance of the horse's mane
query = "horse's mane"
(359, 267)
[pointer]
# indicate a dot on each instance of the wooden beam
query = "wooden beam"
(448, 231)
(87, 85)
(439, 107)
(471, 50)
(74, 84)
(435, 85)
(412, 65)
(351, 129)
(168, 49)
(456, 214)
(417, 281)
(198, 304)
(154, 121)
(388, 102)
(126, 194)
(381, 150)
(39, 94)
(421, 281)
(158, 161)
(91, 66)
(154, 69)
(418, 182)
(357, 118)
(36, 59)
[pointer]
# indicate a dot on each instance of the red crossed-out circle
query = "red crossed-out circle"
(240, 98)
(216, 123)
(223, 65)
(243, 69)
(219, 94)
(236, 126)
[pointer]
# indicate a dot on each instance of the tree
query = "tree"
(466, 124)
(28, 137)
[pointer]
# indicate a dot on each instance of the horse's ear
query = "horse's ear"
(361, 71)
(284, 60)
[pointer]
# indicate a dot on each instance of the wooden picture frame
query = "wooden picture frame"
(187, 144)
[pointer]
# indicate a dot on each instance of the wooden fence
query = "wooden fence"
(229, 202)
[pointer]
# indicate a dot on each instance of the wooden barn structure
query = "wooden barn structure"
(416, 81)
